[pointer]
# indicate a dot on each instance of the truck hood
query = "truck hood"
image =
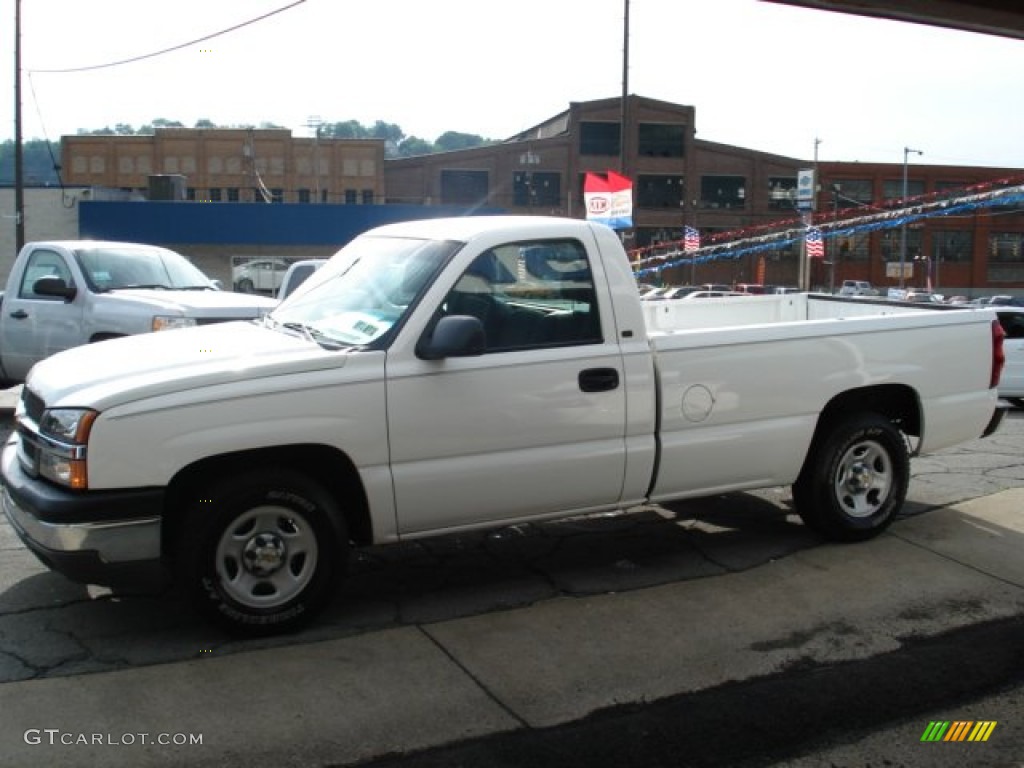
(131, 368)
(207, 304)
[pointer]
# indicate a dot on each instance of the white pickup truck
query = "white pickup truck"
(65, 293)
(452, 374)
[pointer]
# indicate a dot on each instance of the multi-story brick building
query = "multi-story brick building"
(231, 165)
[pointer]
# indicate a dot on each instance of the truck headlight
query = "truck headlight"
(170, 322)
(62, 449)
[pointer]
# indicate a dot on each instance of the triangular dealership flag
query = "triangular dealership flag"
(609, 200)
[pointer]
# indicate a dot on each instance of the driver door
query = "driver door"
(37, 326)
(536, 424)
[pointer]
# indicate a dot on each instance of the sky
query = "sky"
(789, 81)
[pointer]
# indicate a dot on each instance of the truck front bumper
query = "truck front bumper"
(111, 538)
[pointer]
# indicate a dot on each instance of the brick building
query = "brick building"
(231, 165)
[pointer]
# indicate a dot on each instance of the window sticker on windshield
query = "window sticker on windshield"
(101, 277)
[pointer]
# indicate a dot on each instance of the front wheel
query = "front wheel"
(855, 479)
(261, 553)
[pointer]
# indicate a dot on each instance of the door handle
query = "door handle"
(599, 379)
(19, 314)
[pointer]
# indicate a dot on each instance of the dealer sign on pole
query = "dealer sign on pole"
(805, 189)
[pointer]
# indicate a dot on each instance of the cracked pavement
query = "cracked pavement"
(51, 627)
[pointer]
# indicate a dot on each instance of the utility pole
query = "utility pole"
(624, 107)
(903, 229)
(19, 168)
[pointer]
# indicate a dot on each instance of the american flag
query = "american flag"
(691, 239)
(815, 243)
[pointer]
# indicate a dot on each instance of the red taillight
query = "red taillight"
(998, 355)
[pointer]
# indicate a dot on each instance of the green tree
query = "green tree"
(40, 162)
(452, 140)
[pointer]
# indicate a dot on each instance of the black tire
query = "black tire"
(1017, 402)
(855, 479)
(246, 286)
(261, 553)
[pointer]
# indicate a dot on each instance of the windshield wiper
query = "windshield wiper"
(157, 286)
(312, 334)
(194, 288)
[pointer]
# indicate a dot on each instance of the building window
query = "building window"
(1005, 262)
(852, 247)
(215, 194)
(955, 245)
(659, 191)
(722, 191)
(323, 195)
(853, 193)
(1005, 246)
(367, 197)
(277, 195)
(232, 194)
(540, 188)
(782, 193)
(303, 195)
(464, 187)
(350, 197)
(599, 139)
(892, 189)
(661, 140)
(892, 242)
(190, 193)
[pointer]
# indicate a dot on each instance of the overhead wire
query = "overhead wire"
(173, 48)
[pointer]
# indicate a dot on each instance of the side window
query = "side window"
(42, 263)
(530, 295)
(1013, 324)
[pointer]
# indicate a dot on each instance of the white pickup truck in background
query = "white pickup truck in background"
(62, 294)
(453, 374)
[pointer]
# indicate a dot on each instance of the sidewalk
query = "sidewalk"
(346, 700)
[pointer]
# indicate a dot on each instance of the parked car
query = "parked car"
(1011, 383)
(923, 297)
(259, 275)
(297, 274)
(753, 288)
(857, 288)
(66, 293)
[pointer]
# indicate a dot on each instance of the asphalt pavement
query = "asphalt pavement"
(532, 630)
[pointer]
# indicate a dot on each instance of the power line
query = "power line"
(171, 49)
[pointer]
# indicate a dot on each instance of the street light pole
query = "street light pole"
(903, 229)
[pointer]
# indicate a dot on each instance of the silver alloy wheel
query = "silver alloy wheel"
(864, 479)
(267, 556)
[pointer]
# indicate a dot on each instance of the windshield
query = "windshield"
(365, 290)
(108, 268)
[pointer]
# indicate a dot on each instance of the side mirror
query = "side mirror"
(51, 285)
(453, 336)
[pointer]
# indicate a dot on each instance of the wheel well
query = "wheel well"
(896, 402)
(327, 466)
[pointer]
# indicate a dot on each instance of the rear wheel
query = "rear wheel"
(261, 553)
(855, 479)
(1016, 401)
